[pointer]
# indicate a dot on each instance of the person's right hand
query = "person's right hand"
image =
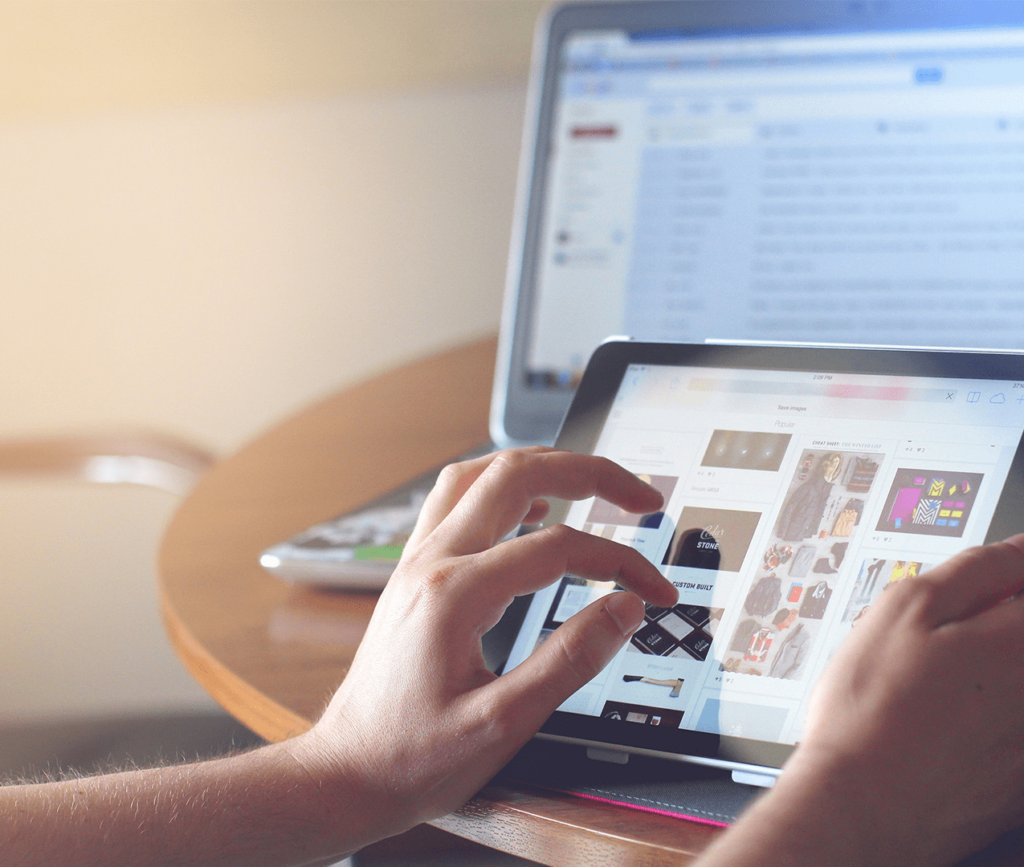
(419, 723)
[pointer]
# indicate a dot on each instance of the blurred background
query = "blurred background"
(211, 215)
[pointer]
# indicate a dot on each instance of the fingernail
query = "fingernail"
(626, 611)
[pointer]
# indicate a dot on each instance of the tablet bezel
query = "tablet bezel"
(581, 430)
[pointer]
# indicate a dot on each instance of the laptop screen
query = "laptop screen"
(843, 187)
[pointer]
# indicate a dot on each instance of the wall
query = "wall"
(205, 251)
(208, 269)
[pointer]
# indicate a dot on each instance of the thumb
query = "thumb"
(573, 655)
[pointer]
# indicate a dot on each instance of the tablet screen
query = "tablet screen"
(793, 500)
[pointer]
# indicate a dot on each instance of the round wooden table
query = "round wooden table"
(272, 654)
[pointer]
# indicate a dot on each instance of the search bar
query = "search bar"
(769, 79)
(841, 391)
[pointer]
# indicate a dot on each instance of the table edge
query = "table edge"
(269, 719)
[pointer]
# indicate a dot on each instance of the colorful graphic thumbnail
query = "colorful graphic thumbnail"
(929, 502)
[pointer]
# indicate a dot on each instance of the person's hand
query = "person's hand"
(921, 714)
(913, 751)
(419, 723)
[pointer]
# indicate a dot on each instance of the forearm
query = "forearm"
(260, 808)
(809, 819)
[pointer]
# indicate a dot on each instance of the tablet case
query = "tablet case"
(689, 792)
(686, 791)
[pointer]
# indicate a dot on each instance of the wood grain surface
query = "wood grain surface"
(560, 829)
(272, 654)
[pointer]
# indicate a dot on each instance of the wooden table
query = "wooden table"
(272, 654)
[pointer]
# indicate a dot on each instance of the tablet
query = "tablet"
(799, 484)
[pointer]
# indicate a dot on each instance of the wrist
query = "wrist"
(817, 813)
(349, 801)
(825, 804)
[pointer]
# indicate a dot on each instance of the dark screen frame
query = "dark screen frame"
(582, 428)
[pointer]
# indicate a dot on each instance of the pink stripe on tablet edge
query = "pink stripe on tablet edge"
(669, 813)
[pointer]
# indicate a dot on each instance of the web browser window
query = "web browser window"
(793, 501)
(842, 188)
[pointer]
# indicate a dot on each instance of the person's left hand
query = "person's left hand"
(419, 723)
(923, 702)
(911, 752)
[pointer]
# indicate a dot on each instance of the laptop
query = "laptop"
(806, 171)
(837, 172)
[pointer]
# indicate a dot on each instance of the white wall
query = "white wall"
(206, 271)
(80, 634)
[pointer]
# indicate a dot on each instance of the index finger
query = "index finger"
(451, 485)
(973, 581)
(503, 493)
